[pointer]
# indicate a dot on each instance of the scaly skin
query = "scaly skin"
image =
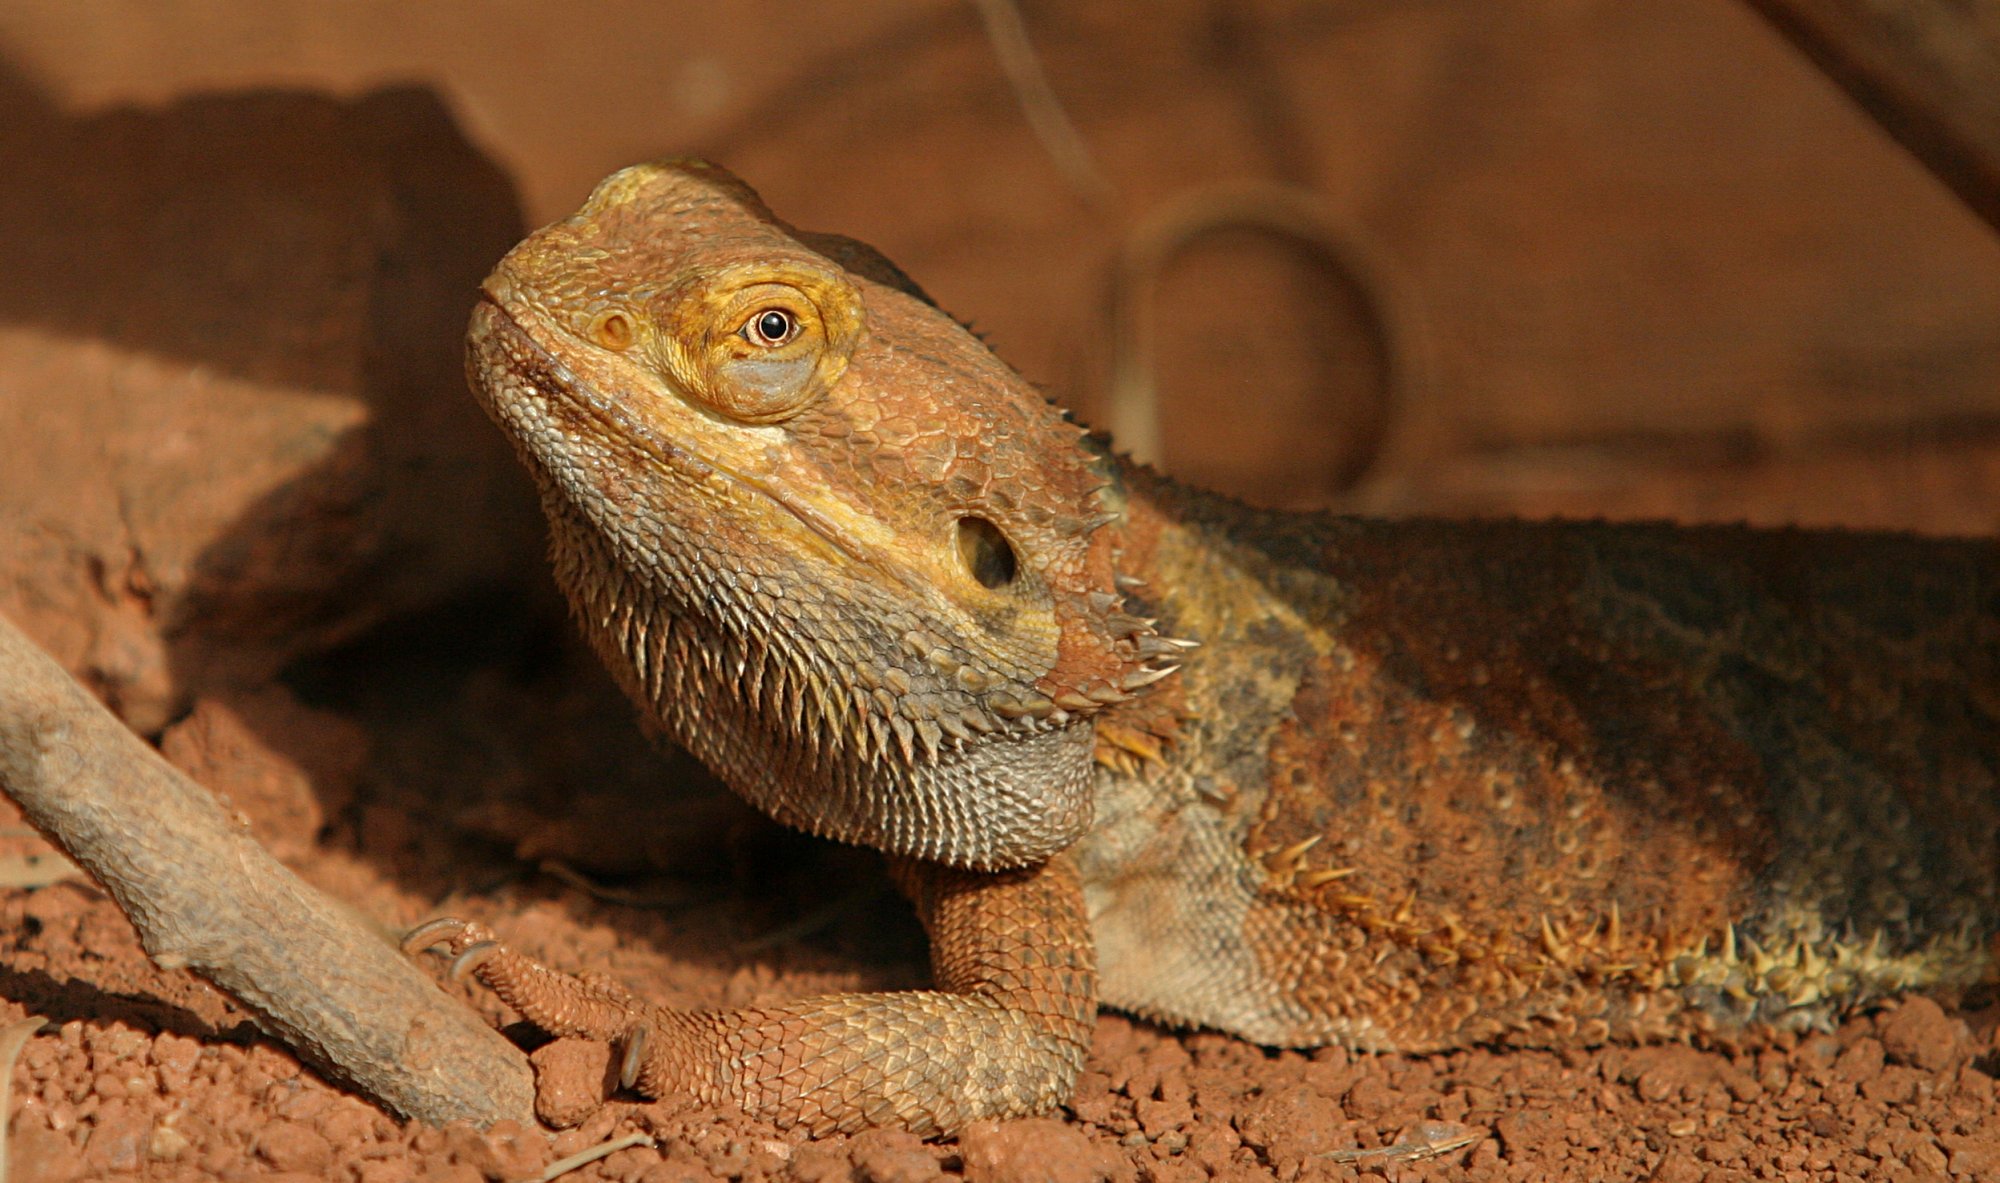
(1420, 784)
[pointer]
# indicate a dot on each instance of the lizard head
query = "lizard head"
(819, 532)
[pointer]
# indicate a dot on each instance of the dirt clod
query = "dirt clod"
(892, 1156)
(1034, 1150)
(572, 1079)
(1920, 1034)
(289, 1146)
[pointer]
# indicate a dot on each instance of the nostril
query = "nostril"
(613, 330)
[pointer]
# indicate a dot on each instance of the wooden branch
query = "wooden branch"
(205, 896)
(1927, 70)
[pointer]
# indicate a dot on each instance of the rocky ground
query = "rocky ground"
(149, 1073)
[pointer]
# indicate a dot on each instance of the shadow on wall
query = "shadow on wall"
(232, 387)
(249, 501)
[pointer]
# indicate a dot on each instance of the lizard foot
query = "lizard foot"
(586, 1006)
(1003, 1034)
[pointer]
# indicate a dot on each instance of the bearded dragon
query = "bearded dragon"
(1399, 785)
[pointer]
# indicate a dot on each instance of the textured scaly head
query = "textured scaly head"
(837, 548)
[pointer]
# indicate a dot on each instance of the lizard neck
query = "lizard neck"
(791, 735)
(1250, 586)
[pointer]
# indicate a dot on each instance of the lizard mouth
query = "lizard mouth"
(545, 376)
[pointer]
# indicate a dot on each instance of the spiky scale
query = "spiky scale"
(1141, 678)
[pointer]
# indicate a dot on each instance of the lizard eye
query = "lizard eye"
(770, 328)
(988, 557)
(760, 343)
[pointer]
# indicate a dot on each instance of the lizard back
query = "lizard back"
(1432, 783)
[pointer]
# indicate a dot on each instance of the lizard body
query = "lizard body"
(1307, 779)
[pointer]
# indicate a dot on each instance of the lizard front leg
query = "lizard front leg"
(1004, 1034)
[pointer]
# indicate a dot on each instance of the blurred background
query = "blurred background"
(1533, 256)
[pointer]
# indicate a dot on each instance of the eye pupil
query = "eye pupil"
(773, 326)
(986, 553)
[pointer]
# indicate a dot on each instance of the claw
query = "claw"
(635, 1058)
(472, 957)
(432, 933)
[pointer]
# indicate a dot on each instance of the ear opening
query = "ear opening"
(988, 557)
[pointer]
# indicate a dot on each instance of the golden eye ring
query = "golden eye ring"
(756, 343)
